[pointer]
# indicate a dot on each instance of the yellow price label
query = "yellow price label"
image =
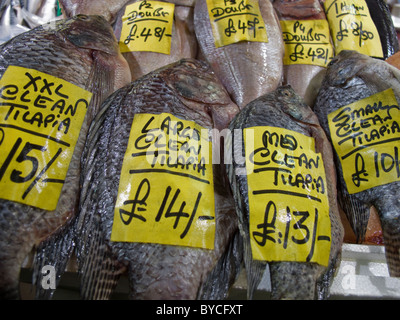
(288, 201)
(365, 135)
(306, 42)
(234, 21)
(147, 26)
(166, 190)
(352, 27)
(40, 120)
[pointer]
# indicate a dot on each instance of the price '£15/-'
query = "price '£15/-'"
(40, 120)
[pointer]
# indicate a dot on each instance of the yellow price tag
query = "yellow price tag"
(147, 26)
(306, 42)
(288, 201)
(365, 135)
(166, 190)
(352, 27)
(234, 21)
(40, 120)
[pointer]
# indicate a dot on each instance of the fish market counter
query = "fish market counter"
(363, 274)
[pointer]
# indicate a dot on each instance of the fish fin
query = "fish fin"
(56, 252)
(225, 273)
(99, 270)
(254, 269)
(391, 238)
(357, 213)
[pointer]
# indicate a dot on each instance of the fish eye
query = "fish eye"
(332, 62)
(82, 17)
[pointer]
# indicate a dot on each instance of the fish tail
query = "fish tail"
(388, 207)
(357, 213)
(294, 280)
(325, 281)
(224, 274)
(254, 269)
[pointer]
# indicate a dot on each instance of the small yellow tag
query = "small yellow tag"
(366, 137)
(147, 26)
(40, 120)
(166, 189)
(352, 27)
(306, 42)
(288, 201)
(234, 21)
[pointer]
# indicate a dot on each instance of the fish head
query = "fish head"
(293, 104)
(89, 32)
(344, 67)
(194, 80)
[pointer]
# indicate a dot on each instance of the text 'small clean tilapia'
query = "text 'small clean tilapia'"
(285, 194)
(53, 79)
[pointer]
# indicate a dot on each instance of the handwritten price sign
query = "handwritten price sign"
(147, 26)
(306, 42)
(352, 27)
(166, 190)
(288, 202)
(365, 135)
(234, 21)
(40, 121)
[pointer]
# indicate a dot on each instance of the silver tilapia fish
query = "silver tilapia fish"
(247, 69)
(365, 137)
(107, 243)
(276, 192)
(81, 53)
(183, 43)
(305, 79)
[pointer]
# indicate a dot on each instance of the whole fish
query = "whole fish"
(157, 269)
(82, 53)
(247, 69)
(268, 189)
(305, 79)
(183, 43)
(351, 78)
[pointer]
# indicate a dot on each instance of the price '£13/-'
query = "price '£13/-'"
(288, 200)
